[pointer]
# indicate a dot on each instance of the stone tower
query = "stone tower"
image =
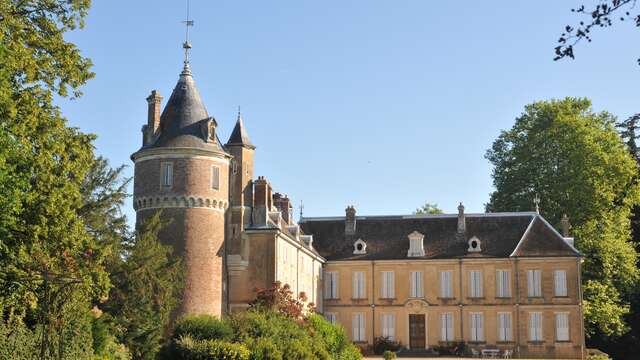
(241, 184)
(183, 170)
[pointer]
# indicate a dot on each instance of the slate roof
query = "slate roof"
(500, 234)
(181, 122)
(239, 134)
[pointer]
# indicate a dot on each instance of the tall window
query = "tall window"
(562, 326)
(416, 284)
(357, 333)
(503, 288)
(358, 285)
(475, 283)
(331, 317)
(389, 326)
(560, 283)
(477, 327)
(215, 178)
(535, 326)
(534, 283)
(504, 326)
(387, 286)
(446, 288)
(166, 172)
(446, 327)
(331, 285)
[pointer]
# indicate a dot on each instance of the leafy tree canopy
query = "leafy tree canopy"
(428, 209)
(574, 160)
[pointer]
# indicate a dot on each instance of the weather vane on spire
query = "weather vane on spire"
(186, 45)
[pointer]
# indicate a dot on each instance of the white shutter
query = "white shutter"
(560, 282)
(355, 326)
(327, 286)
(534, 286)
(480, 327)
(416, 284)
(361, 327)
(562, 327)
(475, 283)
(389, 326)
(503, 281)
(391, 287)
(387, 285)
(501, 332)
(334, 285)
(449, 327)
(383, 285)
(445, 284)
(443, 327)
(538, 277)
(362, 285)
(535, 326)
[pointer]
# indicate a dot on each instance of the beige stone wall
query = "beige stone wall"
(519, 305)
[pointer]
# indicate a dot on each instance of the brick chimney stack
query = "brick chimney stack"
(153, 115)
(462, 226)
(283, 204)
(261, 201)
(350, 221)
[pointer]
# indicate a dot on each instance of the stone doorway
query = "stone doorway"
(417, 331)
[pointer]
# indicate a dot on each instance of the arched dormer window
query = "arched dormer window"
(359, 247)
(474, 245)
(416, 244)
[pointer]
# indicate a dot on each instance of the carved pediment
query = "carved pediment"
(416, 306)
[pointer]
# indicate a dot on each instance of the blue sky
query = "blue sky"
(380, 104)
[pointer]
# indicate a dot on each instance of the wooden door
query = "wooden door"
(416, 331)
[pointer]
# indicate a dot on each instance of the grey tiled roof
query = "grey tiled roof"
(239, 134)
(182, 120)
(387, 236)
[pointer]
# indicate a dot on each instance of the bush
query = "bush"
(389, 355)
(264, 349)
(194, 349)
(459, 348)
(203, 327)
(383, 344)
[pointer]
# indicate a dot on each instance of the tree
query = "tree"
(573, 159)
(146, 292)
(603, 15)
(428, 209)
(280, 298)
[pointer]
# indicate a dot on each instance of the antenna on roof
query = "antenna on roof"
(186, 45)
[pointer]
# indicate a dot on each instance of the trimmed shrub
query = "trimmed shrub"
(203, 327)
(264, 349)
(389, 355)
(383, 344)
(193, 349)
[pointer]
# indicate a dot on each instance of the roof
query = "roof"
(500, 235)
(239, 134)
(183, 122)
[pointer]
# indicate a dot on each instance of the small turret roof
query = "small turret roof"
(184, 119)
(239, 135)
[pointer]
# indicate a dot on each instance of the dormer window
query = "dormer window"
(474, 245)
(359, 247)
(416, 244)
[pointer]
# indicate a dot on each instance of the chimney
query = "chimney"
(462, 227)
(153, 114)
(283, 204)
(565, 225)
(260, 201)
(350, 221)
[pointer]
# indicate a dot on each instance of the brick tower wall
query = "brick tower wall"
(196, 215)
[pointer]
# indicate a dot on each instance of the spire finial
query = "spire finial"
(186, 45)
(239, 113)
(536, 202)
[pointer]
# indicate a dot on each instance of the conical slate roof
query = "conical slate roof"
(184, 120)
(239, 134)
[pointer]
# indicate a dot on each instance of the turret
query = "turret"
(183, 170)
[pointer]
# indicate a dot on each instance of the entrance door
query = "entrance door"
(416, 331)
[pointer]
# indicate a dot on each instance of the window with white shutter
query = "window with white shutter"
(503, 283)
(415, 284)
(166, 169)
(331, 285)
(331, 317)
(475, 283)
(535, 326)
(562, 326)
(504, 326)
(560, 283)
(446, 288)
(389, 326)
(358, 285)
(477, 327)
(387, 287)
(358, 327)
(534, 283)
(215, 178)
(446, 327)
